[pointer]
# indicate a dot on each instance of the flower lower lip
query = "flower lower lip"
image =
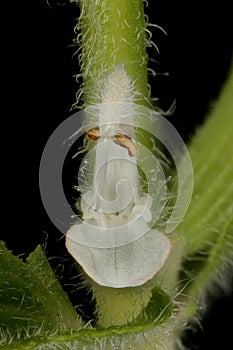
(130, 265)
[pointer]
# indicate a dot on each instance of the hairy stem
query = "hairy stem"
(112, 32)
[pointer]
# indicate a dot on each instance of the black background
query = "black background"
(39, 89)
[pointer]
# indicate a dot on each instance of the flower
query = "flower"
(114, 243)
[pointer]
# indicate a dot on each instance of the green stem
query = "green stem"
(119, 306)
(112, 32)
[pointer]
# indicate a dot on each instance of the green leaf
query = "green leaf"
(211, 151)
(32, 301)
(158, 309)
(213, 265)
(208, 225)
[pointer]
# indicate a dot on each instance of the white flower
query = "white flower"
(114, 244)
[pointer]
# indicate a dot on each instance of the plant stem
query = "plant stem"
(112, 32)
(119, 306)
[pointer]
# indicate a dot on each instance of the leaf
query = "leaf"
(208, 225)
(32, 301)
(157, 311)
(211, 151)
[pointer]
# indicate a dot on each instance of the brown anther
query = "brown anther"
(126, 142)
(93, 134)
